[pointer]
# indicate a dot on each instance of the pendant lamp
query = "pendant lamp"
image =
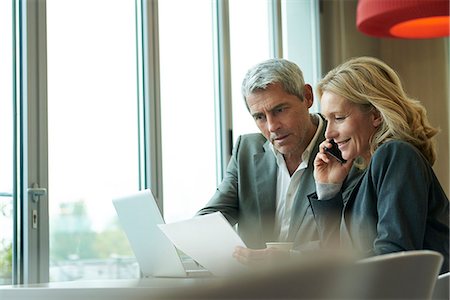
(408, 19)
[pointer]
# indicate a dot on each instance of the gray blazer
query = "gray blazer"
(247, 194)
(397, 205)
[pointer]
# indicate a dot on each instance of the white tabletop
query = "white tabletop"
(147, 288)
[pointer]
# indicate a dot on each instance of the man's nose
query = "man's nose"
(273, 123)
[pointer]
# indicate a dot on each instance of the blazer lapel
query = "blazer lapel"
(301, 203)
(307, 186)
(351, 188)
(266, 183)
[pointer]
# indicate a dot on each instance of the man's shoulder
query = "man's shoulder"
(253, 138)
(251, 142)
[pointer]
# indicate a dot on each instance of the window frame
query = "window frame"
(31, 246)
(149, 98)
(30, 242)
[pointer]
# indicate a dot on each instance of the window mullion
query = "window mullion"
(275, 28)
(149, 99)
(31, 143)
(224, 133)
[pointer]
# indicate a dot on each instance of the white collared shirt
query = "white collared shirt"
(287, 186)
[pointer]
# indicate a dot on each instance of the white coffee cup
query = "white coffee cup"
(286, 246)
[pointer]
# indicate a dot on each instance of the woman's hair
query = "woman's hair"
(277, 70)
(371, 83)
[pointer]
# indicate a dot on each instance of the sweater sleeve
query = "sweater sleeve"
(327, 214)
(327, 190)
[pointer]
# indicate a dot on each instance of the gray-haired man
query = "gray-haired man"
(270, 173)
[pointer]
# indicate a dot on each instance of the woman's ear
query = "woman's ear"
(377, 118)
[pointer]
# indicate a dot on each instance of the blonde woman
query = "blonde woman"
(398, 203)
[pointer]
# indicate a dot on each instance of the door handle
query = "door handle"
(36, 192)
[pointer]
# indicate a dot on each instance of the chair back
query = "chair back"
(442, 287)
(400, 275)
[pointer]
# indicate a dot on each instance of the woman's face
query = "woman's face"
(349, 126)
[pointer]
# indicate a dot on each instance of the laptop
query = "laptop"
(139, 216)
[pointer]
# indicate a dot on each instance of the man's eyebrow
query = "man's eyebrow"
(278, 106)
(257, 114)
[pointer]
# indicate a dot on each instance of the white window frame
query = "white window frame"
(290, 38)
(31, 238)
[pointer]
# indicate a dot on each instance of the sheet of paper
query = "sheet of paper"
(208, 239)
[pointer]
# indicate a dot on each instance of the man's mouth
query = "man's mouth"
(279, 138)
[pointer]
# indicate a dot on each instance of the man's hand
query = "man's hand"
(259, 257)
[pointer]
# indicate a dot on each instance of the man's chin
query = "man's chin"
(282, 149)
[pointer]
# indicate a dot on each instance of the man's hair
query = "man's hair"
(272, 71)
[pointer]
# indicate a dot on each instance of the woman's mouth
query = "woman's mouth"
(342, 143)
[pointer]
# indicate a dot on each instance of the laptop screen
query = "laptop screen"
(139, 215)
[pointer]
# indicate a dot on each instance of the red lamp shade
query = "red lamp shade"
(409, 19)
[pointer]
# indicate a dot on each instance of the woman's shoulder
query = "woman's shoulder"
(400, 155)
(399, 161)
(397, 149)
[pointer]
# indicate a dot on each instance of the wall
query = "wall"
(423, 66)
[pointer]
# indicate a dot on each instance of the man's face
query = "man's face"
(282, 118)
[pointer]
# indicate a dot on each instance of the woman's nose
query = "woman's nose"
(330, 132)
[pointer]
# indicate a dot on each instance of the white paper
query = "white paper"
(208, 239)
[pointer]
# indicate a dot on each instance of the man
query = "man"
(270, 174)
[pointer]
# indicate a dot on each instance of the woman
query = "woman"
(398, 203)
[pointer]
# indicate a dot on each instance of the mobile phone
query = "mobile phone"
(335, 152)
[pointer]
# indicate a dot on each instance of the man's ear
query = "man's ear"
(308, 95)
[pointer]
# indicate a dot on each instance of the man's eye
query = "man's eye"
(339, 119)
(280, 109)
(258, 117)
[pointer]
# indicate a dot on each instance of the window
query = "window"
(301, 39)
(92, 135)
(249, 45)
(6, 136)
(187, 106)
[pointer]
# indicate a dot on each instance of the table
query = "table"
(146, 288)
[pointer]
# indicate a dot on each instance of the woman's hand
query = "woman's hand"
(327, 169)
